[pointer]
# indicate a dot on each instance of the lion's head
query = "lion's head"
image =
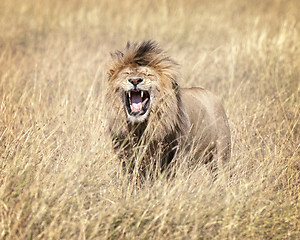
(143, 90)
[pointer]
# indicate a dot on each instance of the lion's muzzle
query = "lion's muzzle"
(135, 81)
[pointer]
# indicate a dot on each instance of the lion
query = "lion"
(151, 117)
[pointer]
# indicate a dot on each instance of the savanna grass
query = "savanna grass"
(60, 179)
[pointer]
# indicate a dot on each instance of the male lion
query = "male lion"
(151, 117)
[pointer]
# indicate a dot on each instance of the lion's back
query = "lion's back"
(200, 105)
(208, 120)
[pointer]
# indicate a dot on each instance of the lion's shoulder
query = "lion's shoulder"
(199, 95)
(201, 105)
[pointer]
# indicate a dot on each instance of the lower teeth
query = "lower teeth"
(143, 103)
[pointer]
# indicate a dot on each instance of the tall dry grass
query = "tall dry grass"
(59, 178)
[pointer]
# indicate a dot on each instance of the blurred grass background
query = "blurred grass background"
(59, 178)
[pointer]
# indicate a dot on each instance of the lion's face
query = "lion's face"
(143, 88)
(139, 88)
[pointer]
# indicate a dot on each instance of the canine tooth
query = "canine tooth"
(129, 94)
(143, 103)
(142, 94)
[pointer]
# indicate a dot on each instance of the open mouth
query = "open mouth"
(137, 102)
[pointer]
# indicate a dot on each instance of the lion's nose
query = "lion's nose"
(135, 80)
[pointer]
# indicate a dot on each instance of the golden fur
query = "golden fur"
(171, 117)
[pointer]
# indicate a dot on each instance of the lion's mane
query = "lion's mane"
(168, 118)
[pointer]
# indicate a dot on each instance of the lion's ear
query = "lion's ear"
(116, 56)
(175, 85)
(110, 72)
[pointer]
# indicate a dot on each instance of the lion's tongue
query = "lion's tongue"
(136, 102)
(136, 107)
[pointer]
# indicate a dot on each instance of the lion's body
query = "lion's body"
(208, 124)
(151, 117)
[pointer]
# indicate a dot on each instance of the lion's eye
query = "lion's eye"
(150, 75)
(126, 73)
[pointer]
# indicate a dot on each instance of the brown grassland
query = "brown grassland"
(59, 178)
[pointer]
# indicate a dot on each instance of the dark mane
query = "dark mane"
(143, 53)
(146, 53)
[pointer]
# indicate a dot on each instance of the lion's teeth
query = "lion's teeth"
(129, 94)
(142, 94)
(143, 103)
